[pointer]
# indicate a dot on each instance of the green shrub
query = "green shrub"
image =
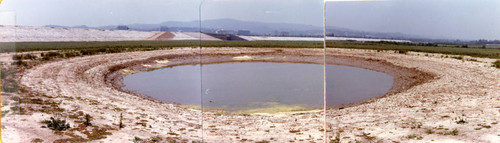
(56, 124)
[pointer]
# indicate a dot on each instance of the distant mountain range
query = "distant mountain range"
(231, 26)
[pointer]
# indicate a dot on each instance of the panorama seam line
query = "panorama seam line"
(201, 73)
(324, 70)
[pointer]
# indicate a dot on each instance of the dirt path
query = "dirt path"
(465, 89)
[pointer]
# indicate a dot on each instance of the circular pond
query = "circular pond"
(251, 86)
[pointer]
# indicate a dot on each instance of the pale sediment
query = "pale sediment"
(426, 88)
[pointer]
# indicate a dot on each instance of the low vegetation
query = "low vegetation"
(87, 120)
(453, 132)
(37, 140)
(120, 125)
(413, 136)
(8, 77)
(137, 139)
(496, 64)
(90, 48)
(56, 124)
(461, 120)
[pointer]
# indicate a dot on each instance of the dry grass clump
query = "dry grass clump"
(496, 64)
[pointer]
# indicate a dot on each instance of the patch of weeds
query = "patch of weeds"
(33, 101)
(156, 139)
(402, 51)
(37, 140)
(172, 133)
(142, 124)
(452, 132)
(413, 136)
(24, 57)
(367, 136)
(17, 110)
(294, 131)
(496, 64)
(472, 60)
(440, 127)
(4, 113)
(429, 131)
(88, 118)
(97, 133)
(52, 108)
(137, 139)
(322, 130)
(9, 85)
(415, 125)
(336, 139)
(484, 126)
(461, 120)
(20, 62)
(118, 109)
(76, 115)
(51, 55)
(56, 124)
(15, 98)
(121, 125)
(262, 141)
(458, 57)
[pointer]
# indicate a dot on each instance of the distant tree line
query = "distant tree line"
(483, 42)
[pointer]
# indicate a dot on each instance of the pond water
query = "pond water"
(243, 86)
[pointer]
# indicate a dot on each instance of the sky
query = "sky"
(456, 19)
(113, 12)
(460, 19)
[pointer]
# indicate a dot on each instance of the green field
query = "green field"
(124, 46)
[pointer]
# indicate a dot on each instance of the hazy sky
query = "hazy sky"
(463, 19)
(112, 12)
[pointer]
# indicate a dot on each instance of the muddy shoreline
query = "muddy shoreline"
(404, 78)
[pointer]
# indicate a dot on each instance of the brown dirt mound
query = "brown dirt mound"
(162, 36)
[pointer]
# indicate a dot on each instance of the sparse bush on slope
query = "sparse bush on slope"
(496, 64)
(56, 124)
